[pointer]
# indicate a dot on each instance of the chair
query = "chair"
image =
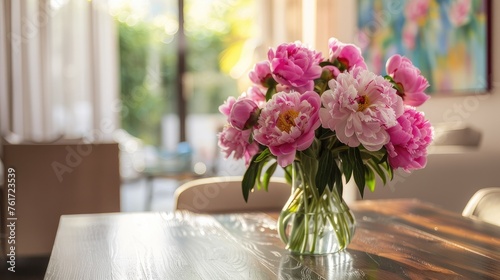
(224, 195)
(484, 205)
(53, 179)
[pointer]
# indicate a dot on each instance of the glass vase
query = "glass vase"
(310, 223)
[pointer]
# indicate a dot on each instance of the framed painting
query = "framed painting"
(448, 40)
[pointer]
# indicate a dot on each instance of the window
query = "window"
(219, 50)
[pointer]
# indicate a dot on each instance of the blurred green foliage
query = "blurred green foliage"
(148, 65)
(143, 98)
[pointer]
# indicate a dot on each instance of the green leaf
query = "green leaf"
(390, 171)
(258, 181)
(325, 63)
(249, 178)
(385, 163)
(346, 165)
(325, 133)
(370, 179)
(325, 165)
(270, 92)
(389, 78)
(358, 170)
(376, 167)
(288, 173)
(384, 158)
(263, 155)
(270, 82)
(338, 180)
(309, 166)
(268, 174)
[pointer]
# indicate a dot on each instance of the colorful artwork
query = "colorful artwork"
(446, 39)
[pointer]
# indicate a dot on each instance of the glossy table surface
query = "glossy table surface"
(394, 239)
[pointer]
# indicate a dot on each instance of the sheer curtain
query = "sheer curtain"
(58, 70)
(309, 21)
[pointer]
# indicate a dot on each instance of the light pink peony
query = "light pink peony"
(359, 107)
(255, 93)
(235, 142)
(261, 73)
(227, 106)
(459, 12)
(410, 138)
(347, 54)
(295, 65)
(409, 80)
(244, 114)
(287, 124)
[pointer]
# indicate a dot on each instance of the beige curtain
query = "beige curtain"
(58, 70)
(309, 21)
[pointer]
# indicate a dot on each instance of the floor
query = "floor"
(26, 268)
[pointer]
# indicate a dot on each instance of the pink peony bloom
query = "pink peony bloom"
(256, 95)
(295, 65)
(417, 10)
(253, 93)
(330, 71)
(234, 141)
(347, 54)
(280, 87)
(410, 138)
(411, 84)
(244, 114)
(227, 106)
(359, 107)
(287, 124)
(459, 12)
(261, 73)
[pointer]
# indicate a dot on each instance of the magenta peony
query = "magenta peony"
(261, 74)
(295, 65)
(287, 124)
(359, 107)
(410, 83)
(235, 142)
(348, 55)
(409, 140)
(244, 114)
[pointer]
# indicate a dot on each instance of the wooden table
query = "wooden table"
(394, 239)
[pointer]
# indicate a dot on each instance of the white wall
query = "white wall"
(449, 180)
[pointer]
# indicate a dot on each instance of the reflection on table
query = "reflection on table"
(395, 239)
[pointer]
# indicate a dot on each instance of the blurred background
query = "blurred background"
(150, 75)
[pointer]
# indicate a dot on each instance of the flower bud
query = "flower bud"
(407, 79)
(329, 72)
(244, 114)
(261, 74)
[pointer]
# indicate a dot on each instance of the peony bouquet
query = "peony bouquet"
(330, 116)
